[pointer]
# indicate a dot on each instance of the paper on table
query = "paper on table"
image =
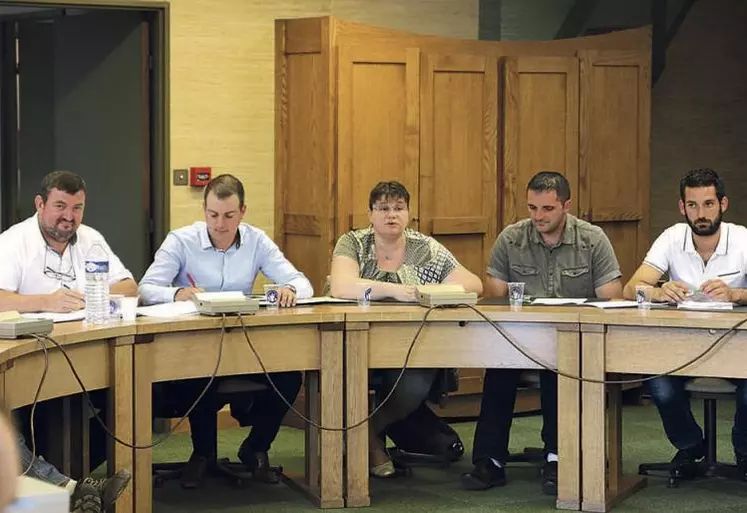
(217, 296)
(313, 300)
(166, 310)
(621, 303)
(705, 305)
(77, 315)
(557, 301)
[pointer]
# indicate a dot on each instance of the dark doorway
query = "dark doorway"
(82, 93)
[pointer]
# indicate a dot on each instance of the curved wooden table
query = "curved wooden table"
(380, 336)
(127, 358)
(629, 341)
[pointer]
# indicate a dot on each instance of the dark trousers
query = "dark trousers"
(497, 412)
(263, 410)
(673, 402)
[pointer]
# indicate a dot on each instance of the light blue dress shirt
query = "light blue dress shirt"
(189, 250)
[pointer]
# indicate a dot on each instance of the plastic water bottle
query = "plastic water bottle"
(97, 285)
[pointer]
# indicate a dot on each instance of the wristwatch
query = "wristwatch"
(293, 289)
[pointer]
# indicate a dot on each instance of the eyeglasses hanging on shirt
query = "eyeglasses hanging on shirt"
(63, 274)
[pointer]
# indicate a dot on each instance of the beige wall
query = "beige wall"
(222, 69)
(699, 116)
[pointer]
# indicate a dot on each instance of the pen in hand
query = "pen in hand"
(186, 294)
(191, 281)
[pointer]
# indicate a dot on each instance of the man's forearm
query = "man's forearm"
(126, 287)
(738, 296)
(22, 302)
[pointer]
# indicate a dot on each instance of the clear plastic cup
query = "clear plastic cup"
(364, 299)
(643, 294)
(516, 293)
(272, 295)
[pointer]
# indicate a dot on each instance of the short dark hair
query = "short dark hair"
(548, 181)
(704, 177)
(388, 190)
(64, 181)
(224, 186)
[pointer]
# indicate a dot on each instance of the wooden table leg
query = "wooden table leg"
(331, 396)
(569, 418)
(594, 443)
(599, 492)
(312, 435)
(121, 415)
(619, 487)
(323, 481)
(356, 403)
(143, 424)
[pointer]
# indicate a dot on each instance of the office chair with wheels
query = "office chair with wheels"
(710, 390)
(423, 439)
(235, 472)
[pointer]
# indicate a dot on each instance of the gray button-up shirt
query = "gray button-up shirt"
(582, 261)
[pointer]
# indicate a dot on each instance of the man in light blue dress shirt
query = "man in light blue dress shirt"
(224, 254)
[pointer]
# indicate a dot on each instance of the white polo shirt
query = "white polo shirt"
(674, 252)
(28, 265)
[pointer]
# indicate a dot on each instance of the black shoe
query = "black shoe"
(85, 499)
(685, 464)
(110, 488)
(550, 478)
(742, 467)
(193, 473)
(485, 474)
(258, 463)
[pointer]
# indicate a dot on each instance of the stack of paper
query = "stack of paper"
(705, 305)
(167, 310)
(77, 315)
(558, 301)
(615, 303)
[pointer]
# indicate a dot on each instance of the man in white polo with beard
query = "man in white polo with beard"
(708, 257)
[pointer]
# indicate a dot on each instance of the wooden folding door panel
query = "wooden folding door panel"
(303, 194)
(541, 127)
(615, 150)
(378, 127)
(458, 168)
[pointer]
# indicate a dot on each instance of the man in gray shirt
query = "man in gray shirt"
(556, 255)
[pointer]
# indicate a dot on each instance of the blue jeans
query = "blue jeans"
(673, 402)
(40, 469)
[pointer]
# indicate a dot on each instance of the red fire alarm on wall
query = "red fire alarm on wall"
(199, 176)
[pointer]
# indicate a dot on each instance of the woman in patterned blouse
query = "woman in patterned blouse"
(389, 260)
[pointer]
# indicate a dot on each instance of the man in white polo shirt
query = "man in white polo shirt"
(702, 256)
(42, 270)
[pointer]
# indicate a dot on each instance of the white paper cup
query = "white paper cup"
(128, 308)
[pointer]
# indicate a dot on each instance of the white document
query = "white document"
(220, 296)
(705, 305)
(558, 301)
(313, 300)
(621, 303)
(77, 315)
(168, 310)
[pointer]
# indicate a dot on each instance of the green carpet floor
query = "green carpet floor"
(436, 490)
